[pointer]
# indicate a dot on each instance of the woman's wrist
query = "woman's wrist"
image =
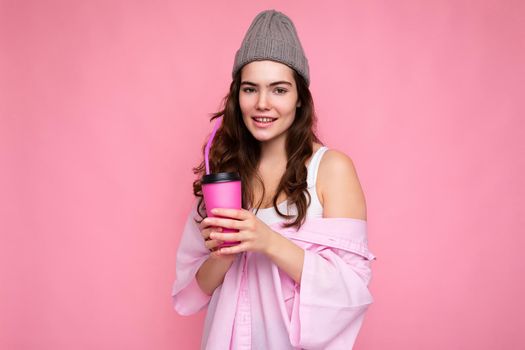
(279, 246)
(288, 256)
(211, 273)
(272, 246)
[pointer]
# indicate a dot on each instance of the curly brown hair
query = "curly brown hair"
(235, 149)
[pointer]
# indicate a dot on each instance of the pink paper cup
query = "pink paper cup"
(222, 190)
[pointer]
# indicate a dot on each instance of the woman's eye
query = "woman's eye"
(280, 91)
(248, 89)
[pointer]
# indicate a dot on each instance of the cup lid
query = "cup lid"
(220, 177)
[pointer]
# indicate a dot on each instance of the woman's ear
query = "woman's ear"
(298, 104)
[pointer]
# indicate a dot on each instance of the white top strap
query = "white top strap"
(313, 167)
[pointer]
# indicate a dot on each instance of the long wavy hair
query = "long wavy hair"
(235, 149)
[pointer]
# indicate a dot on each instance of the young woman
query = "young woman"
(299, 276)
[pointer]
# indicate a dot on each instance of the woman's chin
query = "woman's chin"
(262, 137)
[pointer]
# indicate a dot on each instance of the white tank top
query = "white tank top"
(315, 209)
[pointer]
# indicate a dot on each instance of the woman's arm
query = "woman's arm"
(211, 273)
(286, 255)
(255, 236)
(341, 196)
(339, 187)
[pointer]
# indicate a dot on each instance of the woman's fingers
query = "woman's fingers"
(226, 223)
(241, 247)
(212, 244)
(238, 214)
(209, 243)
(227, 237)
(203, 225)
(206, 232)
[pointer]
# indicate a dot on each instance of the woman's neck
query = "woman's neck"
(273, 153)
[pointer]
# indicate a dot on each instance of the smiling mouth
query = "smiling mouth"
(264, 120)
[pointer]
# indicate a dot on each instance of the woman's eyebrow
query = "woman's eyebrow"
(272, 84)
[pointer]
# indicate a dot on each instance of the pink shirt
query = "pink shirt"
(260, 307)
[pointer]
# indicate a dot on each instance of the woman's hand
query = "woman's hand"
(211, 273)
(254, 235)
(210, 243)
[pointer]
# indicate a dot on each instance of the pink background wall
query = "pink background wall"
(104, 106)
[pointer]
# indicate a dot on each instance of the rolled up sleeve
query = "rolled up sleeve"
(187, 296)
(331, 300)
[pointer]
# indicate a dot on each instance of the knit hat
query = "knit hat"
(272, 36)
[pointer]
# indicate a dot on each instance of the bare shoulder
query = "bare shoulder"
(339, 187)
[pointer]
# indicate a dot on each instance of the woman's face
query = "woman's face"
(268, 90)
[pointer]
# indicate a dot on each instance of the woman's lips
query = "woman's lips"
(263, 124)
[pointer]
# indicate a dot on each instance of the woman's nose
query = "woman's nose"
(262, 102)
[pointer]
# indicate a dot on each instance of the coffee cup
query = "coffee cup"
(222, 190)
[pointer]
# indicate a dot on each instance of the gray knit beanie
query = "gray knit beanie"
(272, 36)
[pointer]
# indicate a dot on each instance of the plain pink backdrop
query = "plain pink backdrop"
(104, 107)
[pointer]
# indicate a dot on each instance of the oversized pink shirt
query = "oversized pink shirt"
(260, 307)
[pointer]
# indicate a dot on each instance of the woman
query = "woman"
(298, 278)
